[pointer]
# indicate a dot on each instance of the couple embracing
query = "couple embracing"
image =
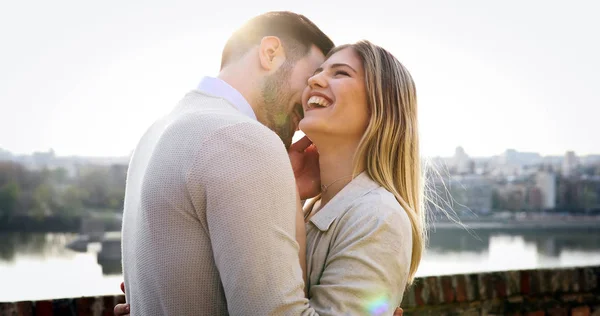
(225, 216)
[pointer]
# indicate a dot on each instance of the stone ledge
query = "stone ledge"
(554, 292)
(568, 291)
(99, 305)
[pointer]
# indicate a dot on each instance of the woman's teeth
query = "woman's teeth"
(315, 101)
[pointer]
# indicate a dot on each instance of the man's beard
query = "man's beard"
(276, 95)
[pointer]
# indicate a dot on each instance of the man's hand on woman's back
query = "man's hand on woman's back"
(122, 309)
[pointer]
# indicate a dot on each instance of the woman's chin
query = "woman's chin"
(317, 134)
(309, 125)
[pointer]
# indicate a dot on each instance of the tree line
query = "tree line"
(58, 192)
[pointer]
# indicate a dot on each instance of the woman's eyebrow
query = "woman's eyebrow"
(343, 65)
(336, 65)
(318, 70)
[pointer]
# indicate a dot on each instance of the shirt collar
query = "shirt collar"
(222, 89)
(358, 187)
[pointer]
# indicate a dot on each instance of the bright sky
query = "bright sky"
(88, 77)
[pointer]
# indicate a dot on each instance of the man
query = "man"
(211, 198)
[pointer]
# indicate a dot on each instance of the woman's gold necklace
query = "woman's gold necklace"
(325, 187)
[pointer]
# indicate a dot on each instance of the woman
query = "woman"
(365, 232)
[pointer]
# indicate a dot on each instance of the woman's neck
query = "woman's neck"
(337, 166)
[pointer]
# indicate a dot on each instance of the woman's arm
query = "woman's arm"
(367, 267)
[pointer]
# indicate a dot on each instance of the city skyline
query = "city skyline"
(296, 137)
(87, 79)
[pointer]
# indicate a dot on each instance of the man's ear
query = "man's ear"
(271, 53)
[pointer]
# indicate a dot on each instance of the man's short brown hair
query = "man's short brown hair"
(296, 32)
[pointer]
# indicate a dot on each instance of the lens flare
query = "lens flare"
(378, 306)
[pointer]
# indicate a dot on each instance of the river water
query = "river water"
(37, 266)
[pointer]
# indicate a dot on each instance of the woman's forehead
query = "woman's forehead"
(346, 55)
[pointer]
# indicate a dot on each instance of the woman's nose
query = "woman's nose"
(317, 81)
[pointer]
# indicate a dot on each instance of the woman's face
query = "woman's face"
(335, 100)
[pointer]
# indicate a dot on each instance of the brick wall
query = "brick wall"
(552, 292)
(557, 292)
(102, 305)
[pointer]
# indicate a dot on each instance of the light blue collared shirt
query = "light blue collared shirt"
(222, 89)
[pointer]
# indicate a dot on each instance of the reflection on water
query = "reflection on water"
(39, 266)
(453, 251)
(547, 243)
(33, 245)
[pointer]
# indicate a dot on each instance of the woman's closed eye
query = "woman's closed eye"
(342, 73)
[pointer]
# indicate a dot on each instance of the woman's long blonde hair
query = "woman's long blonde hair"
(389, 148)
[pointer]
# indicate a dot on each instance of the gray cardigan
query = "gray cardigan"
(209, 220)
(358, 252)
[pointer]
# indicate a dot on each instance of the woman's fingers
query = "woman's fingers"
(301, 144)
(121, 310)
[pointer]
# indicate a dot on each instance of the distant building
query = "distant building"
(478, 193)
(5, 155)
(513, 157)
(464, 194)
(40, 160)
(545, 181)
(513, 163)
(569, 164)
(535, 199)
(588, 193)
(71, 164)
(461, 163)
(512, 196)
(590, 160)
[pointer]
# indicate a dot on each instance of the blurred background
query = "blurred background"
(509, 108)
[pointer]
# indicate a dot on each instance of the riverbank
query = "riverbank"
(57, 224)
(47, 224)
(112, 222)
(521, 223)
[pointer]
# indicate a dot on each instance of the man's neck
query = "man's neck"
(245, 86)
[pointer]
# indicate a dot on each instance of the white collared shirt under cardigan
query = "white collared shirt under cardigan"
(208, 226)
